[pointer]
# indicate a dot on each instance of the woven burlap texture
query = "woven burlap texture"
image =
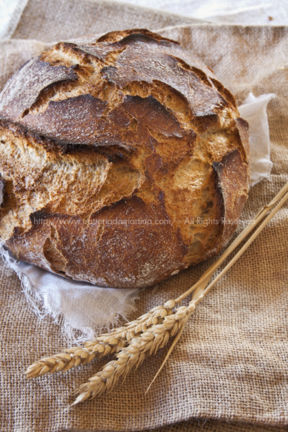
(231, 363)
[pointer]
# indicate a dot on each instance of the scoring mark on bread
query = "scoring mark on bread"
(19, 95)
(55, 122)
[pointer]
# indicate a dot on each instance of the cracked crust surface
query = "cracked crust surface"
(122, 161)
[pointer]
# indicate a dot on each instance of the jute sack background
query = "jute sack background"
(231, 363)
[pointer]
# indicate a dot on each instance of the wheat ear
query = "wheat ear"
(72, 357)
(107, 343)
(131, 356)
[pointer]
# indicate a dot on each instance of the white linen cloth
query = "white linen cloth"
(253, 110)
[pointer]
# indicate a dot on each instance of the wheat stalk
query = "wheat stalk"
(259, 220)
(143, 337)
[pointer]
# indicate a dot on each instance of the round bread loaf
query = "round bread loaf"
(123, 160)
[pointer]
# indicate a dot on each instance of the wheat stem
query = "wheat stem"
(201, 288)
(204, 290)
(262, 214)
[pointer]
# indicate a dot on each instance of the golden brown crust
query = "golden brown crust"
(124, 160)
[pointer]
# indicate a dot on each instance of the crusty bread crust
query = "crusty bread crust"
(122, 161)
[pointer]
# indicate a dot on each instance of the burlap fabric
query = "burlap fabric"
(231, 363)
